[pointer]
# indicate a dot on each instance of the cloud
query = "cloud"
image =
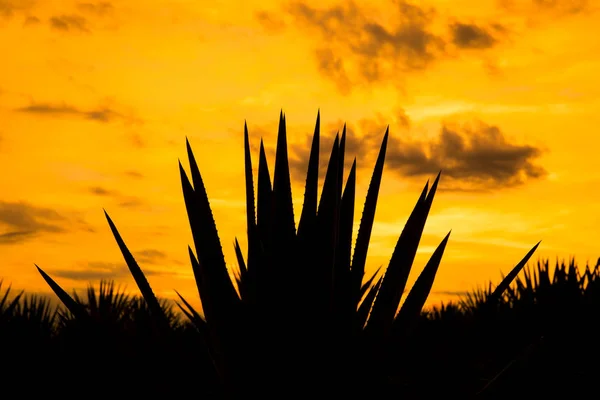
(100, 191)
(100, 8)
(476, 157)
(473, 157)
(472, 36)
(31, 20)
(103, 114)
(456, 293)
(134, 174)
(150, 256)
(136, 140)
(100, 270)
(122, 200)
(545, 8)
(270, 21)
(563, 6)
(9, 8)
(358, 49)
(20, 221)
(69, 23)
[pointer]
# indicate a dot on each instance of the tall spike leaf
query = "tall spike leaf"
(73, 306)
(361, 246)
(309, 208)
(420, 291)
(136, 272)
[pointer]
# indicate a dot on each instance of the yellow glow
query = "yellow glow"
(133, 81)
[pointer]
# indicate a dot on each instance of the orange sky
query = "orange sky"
(96, 100)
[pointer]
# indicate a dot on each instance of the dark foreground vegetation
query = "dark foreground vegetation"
(540, 339)
(305, 320)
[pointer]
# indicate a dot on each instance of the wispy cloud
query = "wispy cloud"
(102, 114)
(9, 8)
(100, 8)
(69, 23)
(100, 270)
(21, 221)
(120, 199)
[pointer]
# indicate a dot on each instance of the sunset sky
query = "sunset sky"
(97, 98)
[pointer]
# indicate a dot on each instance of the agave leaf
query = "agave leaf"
(330, 195)
(341, 159)
(74, 307)
(214, 278)
(309, 208)
(192, 314)
(387, 301)
(341, 274)
(361, 246)
(186, 312)
(203, 291)
(497, 293)
(365, 307)
(243, 271)
(368, 283)
(253, 239)
(326, 234)
(284, 227)
(264, 273)
(250, 210)
(283, 239)
(264, 196)
(204, 231)
(411, 309)
(136, 272)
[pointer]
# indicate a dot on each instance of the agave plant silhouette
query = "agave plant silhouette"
(305, 319)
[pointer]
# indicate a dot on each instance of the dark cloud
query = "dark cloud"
(271, 22)
(358, 49)
(538, 8)
(101, 114)
(15, 237)
(20, 221)
(457, 293)
(479, 157)
(69, 23)
(9, 8)
(471, 36)
(473, 158)
(563, 6)
(100, 191)
(134, 174)
(31, 20)
(100, 8)
(136, 140)
(99, 270)
(122, 200)
(150, 256)
(130, 202)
